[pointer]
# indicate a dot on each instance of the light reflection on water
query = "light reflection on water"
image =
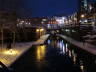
(70, 53)
(41, 52)
(81, 65)
(83, 59)
(59, 43)
(49, 41)
(63, 47)
(80, 58)
(74, 57)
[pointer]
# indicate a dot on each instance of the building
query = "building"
(87, 13)
(7, 24)
(83, 6)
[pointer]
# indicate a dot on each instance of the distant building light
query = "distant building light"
(42, 22)
(22, 21)
(90, 7)
(48, 25)
(60, 21)
(75, 19)
(42, 29)
(67, 30)
(80, 21)
(86, 21)
(44, 19)
(37, 30)
(63, 18)
(29, 23)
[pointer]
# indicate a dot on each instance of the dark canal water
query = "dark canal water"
(56, 55)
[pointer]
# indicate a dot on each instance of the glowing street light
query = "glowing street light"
(82, 16)
(37, 30)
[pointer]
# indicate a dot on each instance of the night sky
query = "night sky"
(34, 8)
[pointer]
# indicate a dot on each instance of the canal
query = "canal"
(56, 55)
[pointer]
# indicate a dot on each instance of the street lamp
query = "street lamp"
(82, 16)
(37, 30)
(40, 31)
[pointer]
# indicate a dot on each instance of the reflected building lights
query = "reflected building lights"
(73, 52)
(63, 49)
(48, 41)
(66, 46)
(62, 46)
(70, 54)
(58, 44)
(82, 68)
(81, 65)
(1, 66)
(74, 58)
(70, 50)
(40, 52)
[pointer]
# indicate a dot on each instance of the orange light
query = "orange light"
(40, 52)
(42, 29)
(37, 30)
(11, 52)
(82, 16)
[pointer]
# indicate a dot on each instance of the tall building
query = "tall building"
(87, 6)
(83, 4)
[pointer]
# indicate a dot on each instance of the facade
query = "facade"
(7, 24)
(27, 22)
(7, 20)
(83, 6)
(87, 12)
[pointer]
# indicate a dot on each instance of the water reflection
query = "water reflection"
(57, 42)
(70, 53)
(63, 47)
(49, 41)
(76, 60)
(81, 66)
(74, 56)
(82, 59)
(41, 52)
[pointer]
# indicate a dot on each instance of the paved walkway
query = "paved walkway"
(7, 57)
(42, 39)
(85, 46)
